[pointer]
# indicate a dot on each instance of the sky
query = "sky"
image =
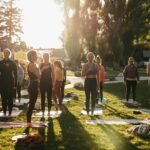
(42, 22)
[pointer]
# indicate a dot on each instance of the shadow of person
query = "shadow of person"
(117, 139)
(119, 114)
(51, 139)
(74, 136)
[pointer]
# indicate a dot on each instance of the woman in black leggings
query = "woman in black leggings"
(34, 76)
(90, 71)
(8, 81)
(46, 82)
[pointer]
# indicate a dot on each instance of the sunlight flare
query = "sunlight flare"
(42, 23)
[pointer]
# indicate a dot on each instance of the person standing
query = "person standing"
(63, 83)
(90, 72)
(101, 76)
(20, 74)
(59, 77)
(34, 77)
(148, 73)
(46, 82)
(8, 81)
(131, 76)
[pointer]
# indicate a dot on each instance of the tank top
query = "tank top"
(46, 73)
(32, 76)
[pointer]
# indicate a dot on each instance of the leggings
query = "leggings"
(90, 86)
(7, 100)
(57, 93)
(46, 88)
(131, 85)
(33, 93)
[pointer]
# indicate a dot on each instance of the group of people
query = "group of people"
(94, 73)
(51, 80)
(51, 77)
(48, 77)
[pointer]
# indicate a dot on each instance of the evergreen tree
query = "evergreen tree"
(10, 23)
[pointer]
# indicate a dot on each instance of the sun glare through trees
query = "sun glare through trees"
(42, 22)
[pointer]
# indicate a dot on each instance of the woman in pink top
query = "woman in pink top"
(101, 76)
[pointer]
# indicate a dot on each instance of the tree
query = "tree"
(10, 22)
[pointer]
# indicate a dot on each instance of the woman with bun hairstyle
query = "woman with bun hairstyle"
(34, 77)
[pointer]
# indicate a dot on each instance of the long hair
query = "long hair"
(58, 63)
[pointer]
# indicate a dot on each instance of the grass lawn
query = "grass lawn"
(70, 132)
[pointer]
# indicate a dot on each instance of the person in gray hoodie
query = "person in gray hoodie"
(131, 76)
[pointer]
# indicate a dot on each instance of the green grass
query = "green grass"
(70, 132)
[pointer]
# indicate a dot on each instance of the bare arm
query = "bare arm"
(34, 70)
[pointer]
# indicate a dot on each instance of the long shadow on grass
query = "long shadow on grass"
(119, 142)
(51, 139)
(119, 114)
(119, 90)
(75, 137)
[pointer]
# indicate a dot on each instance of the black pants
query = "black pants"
(33, 93)
(17, 91)
(7, 99)
(46, 89)
(90, 86)
(131, 85)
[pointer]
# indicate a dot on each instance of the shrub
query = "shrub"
(78, 86)
(77, 73)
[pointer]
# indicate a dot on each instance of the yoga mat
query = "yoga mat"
(53, 114)
(131, 103)
(15, 113)
(22, 102)
(97, 112)
(65, 101)
(22, 124)
(118, 121)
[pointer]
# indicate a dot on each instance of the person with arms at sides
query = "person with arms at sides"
(34, 77)
(101, 76)
(131, 76)
(148, 73)
(20, 74)
(8, 81)
(59, 77)
(63, 83)
(46, 83)
(90, 72)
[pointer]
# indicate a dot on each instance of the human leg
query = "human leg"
(128, 87)
(134, 85)
(33, 93)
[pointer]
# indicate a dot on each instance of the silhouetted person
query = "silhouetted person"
(8, 81)
(90, 72)
(34, 77)
(46, 82)
(131, 77)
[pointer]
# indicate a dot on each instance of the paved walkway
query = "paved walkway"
(118, 79)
